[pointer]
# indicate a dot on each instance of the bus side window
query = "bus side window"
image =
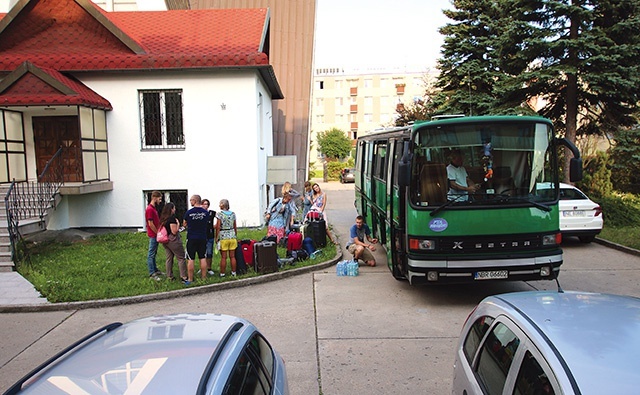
(433, 183)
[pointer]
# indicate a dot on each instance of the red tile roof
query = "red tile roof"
(77, 35)
(31, 85)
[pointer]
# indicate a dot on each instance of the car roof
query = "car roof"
(158, 354)
(597, 335)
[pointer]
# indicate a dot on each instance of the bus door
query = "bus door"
(367, 181)
(379, 189)
(395, 212)
(359, 179)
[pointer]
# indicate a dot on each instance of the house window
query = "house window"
(161, 119)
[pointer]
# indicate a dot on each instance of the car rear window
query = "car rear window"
(475, 335)
(253, 372)
(495, 359)
(571, 194)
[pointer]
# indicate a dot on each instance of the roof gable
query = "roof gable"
(71, 35)
(34, 26)
(30, 85)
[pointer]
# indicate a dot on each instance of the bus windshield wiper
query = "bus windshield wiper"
(507, 198)
(445, 205)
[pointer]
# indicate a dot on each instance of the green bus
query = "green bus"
(506, 227)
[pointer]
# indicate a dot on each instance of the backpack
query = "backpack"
(162, 236)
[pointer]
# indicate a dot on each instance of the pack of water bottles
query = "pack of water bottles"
(347, 268)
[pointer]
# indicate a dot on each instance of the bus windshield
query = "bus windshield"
(483, 163)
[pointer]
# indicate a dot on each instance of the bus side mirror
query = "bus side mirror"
(575, 164)
(575, 169)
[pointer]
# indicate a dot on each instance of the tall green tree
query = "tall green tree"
(334, 144)
(469, 68)
(626, 160)
(579, 56)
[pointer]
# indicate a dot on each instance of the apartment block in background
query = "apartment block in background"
(360, 101)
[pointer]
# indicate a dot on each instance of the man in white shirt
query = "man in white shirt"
(459, 182)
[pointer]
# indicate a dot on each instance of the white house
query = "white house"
(175, 101)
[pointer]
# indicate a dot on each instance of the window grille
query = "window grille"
(161, 119)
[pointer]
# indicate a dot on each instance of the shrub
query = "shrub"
(597, 176)
(620, 210)
(334, 168)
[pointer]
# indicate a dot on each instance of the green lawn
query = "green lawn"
(115, 265)
(626, 235)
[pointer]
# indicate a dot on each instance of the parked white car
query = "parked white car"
(579, 215)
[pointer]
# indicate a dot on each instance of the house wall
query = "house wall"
(224, 156)
(291, 54)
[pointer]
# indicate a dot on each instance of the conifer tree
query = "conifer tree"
(579, 56)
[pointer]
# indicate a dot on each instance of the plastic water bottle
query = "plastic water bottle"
(352, 268)
(341, 268)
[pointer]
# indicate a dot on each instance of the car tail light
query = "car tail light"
(598, 211)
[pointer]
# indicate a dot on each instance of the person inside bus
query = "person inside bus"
(357, 245)
(460, 184)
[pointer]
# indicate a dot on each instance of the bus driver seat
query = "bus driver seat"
(433, 183)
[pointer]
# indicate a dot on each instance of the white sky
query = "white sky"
(379, 33)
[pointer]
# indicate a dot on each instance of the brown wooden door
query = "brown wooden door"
(51, 133)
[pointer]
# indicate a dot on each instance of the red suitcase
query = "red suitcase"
(247, 251)
(294, 241)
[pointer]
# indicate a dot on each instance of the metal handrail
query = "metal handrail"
(12, 224)
(31, 199)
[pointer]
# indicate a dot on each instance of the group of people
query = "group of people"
(204, 228)
(280, 215)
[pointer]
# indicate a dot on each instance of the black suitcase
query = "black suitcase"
(317, 230)
(241, 265)
(265, 257)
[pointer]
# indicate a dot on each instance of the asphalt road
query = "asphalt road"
(369, 334)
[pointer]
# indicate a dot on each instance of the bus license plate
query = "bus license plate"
(491, 275)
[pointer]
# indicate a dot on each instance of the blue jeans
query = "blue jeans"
(209, 253)
(151, 256)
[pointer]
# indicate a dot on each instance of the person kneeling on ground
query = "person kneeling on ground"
(358, 246)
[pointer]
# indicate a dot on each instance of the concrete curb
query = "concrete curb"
(245, 282)
(618, 247)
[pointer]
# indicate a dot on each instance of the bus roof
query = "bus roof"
(483, 119)
(405, 131)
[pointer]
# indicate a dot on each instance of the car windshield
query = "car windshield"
(505, 163)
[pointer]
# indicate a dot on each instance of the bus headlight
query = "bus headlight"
(422, 244)
(545, 271)
(550, 240)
